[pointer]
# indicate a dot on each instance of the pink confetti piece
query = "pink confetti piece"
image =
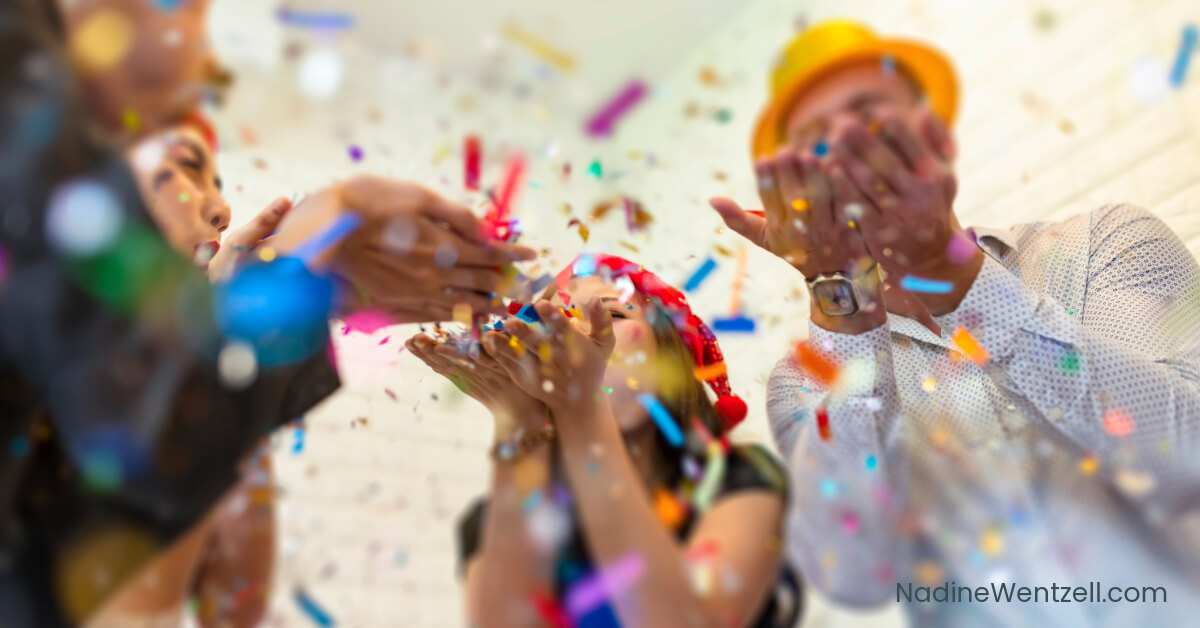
(603, 122)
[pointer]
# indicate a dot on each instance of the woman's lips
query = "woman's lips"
(205, 252)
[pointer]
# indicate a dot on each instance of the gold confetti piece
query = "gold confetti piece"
(462, 313)
(799, 204)
(102, 41)
(929, 573)
(929, 385)
(131, 120)
(540, 48)
(529, 474)
(628, 246)
(266, 254)
(516, 345)
(970, 346)
(1066, 126)
(442, 153)
(670, 511)
(991, 542)
(1089, 464)
(631, 383)
(711, 371)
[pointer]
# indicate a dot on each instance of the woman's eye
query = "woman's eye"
(194, 166)
(618, 314)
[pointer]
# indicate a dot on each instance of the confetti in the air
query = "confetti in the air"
(604, 121)
(662, 418)
(970, 346)
(700, 275)
(926, 286)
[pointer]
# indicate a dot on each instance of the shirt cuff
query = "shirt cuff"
(994, 310)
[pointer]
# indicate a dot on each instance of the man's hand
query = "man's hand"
(415, 255)
(908, 218)
(805, 224)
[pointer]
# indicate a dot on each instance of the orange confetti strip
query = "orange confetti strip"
(735, 301)
(670, 511)
(815, 364)
(967, 343)
(711, 371)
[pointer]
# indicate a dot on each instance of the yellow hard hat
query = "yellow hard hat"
(832, 45)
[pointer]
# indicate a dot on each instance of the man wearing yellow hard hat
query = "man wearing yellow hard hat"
(1010, 406)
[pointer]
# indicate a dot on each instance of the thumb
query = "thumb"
(263, 225)
(749, 224)
(937, 136)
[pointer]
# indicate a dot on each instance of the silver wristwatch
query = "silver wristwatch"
(838, 294)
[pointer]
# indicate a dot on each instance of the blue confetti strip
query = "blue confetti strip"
(662, 417)
(927, 286)
(700, 275)
(1187, 46)
(343, 226)
(298, 444)
(332, 21)
(734, 324)
(318, 615)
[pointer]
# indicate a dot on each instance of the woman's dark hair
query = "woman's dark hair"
(684, 401)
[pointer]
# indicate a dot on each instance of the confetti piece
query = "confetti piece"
(608, 582)
(603, 122)
(739, 280)
(823, 424)
(472, 157)
(927, 286)
(820, 149)
(550, 611)
(700, 275)
(735, 324)
(662, 417)
(799, 204)
(970, 346)
(670, 511)
(596, 169)
(540, 48)
(312, 609)
(850, 523)
(929, 384)
(711, 371)
(102, 41)
(1118, 422)
(499, 217)
(298, 441)
(723, 115)
(816, 364)
(714, 471)
(315, 20)
(1187, 47)
(1088, 464)
(341, 227)
(320, 73)
(355, 152)
(991, 542)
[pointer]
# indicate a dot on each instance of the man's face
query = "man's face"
(141, 64)
(861, 91)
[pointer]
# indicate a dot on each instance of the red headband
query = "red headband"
(197, 121)
(699, 339)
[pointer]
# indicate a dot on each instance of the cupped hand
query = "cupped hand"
(415, 255)
(804, 222)
(563, 366)
(481, 377)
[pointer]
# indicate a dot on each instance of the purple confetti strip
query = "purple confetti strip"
(604, 121)
(612, 580)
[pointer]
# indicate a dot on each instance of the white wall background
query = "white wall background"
(1060, 114)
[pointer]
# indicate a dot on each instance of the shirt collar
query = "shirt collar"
(995, 241)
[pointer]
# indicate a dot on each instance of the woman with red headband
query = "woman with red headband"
(616, 498)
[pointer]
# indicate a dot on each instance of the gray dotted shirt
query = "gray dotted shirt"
(1070, 456)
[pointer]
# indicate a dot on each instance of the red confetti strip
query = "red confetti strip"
(550, 611)
(516, 169)
(472, 156)
(823, 423)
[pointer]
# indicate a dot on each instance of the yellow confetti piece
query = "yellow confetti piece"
(131, 120)
(929, 573)
(529, 474)
(929, 385)
(991, 542)
(266, 254)
(102, 41)
(1089, 464)
(462, 313)
(799, 204)
(631, 383)
(712, 371)
(967, 343)
(540, 48)
(516, 345)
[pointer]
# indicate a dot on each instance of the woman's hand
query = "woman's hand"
(482, 378)
(415, 255)
(247, 238)
(562, 366)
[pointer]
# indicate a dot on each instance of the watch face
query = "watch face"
(835, 296)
